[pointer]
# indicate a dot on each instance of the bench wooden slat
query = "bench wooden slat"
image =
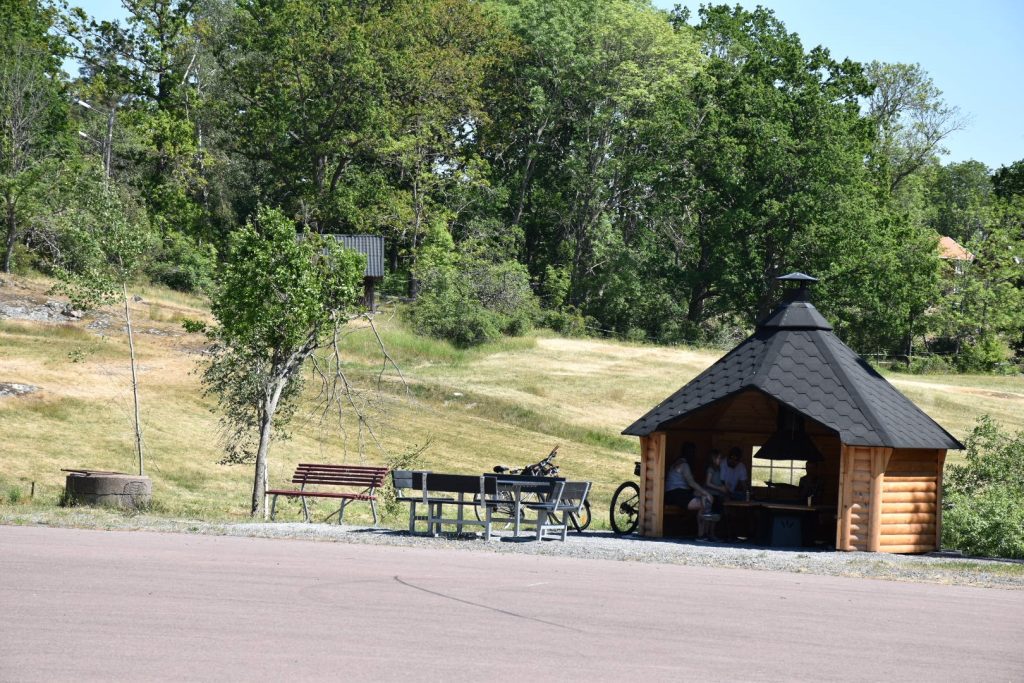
(320, 494)
(337, 479)
(366, 477)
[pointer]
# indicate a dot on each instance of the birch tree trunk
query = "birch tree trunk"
(135, 382)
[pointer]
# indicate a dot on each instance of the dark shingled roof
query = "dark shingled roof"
(796, 359)
(371, 245)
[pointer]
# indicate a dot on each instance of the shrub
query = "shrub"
(927, 365)
(182, 264)
(568, 322)
(470, 301)
(984, 496)
(447, 313)
(984, 355)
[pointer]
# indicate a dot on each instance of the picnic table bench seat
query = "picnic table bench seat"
(566, 497)
(365, 478)
(438, 491)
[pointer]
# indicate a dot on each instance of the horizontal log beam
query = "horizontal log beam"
(908, 517)
(908, 486)
(927, 530)
(892, 508)
(906, 539)
(908, 497)
(903, 465)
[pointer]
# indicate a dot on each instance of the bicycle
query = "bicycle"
(625, 509)
(544, 468)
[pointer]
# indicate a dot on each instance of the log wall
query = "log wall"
(911, 510)
(890, 500)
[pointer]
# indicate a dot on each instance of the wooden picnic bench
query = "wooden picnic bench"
(366, 478)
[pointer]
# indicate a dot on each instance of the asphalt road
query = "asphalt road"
(109, 605)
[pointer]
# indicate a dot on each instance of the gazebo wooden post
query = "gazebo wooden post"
(879, 461)
(845, 499)
(940, 465)
(652, 485)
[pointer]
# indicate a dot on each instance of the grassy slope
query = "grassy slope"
(506, 403)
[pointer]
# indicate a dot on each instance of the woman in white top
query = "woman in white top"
(683, 490)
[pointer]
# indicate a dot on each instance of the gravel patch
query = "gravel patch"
(591, 545)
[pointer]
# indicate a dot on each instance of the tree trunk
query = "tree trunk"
(270, 403)
(135, 382)
(259, 483)
(12, 234)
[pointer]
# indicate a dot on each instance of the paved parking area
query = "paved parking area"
(116, 605)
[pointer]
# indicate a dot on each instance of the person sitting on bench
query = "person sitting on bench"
(734, 476)
(683, 490)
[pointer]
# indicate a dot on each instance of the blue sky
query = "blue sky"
(974, 53)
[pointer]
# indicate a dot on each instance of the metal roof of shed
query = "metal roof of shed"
(794, 357)
(371, 245)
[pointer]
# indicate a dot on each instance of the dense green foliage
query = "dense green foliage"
(594, 165)
(984, 497)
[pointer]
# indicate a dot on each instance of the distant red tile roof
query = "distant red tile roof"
(950, 249)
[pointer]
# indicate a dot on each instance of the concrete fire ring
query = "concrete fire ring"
(109, 489)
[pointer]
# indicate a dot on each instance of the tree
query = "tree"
(1009, 180)
(33, 116)
(278, 301)
(110, 235)
(983, 309)
(911, 121)
(569, 141)
(355, 117)
(957, 195)
(770, 179)
(147, 69)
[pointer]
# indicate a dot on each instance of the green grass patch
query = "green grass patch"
(1002, 568)
(410, 349)
(515, 415)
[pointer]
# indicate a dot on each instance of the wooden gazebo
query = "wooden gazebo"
(881, 457)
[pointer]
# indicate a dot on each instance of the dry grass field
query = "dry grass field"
(460, 411)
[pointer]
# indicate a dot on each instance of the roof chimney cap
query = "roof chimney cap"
(802, 278)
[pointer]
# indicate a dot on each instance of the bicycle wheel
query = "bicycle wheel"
(581, 521)
(625, 512)
(505, 508)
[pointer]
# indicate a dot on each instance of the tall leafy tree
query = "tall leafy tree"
(911, 118)
(569, 142)
(1009, 180)
(147, 78)
(33, 116)
(773, 177)
(354, 117)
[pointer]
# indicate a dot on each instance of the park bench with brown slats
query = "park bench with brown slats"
(363, 477)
